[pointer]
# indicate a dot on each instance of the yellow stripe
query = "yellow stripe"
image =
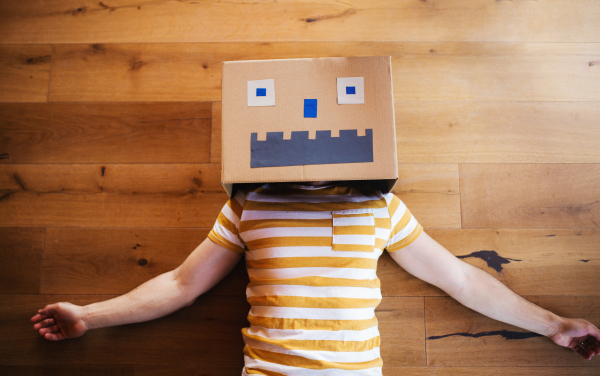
(311, 302)
(218, 239)
(313, 206)
(385, 223)
(353, 247)
(235, 207)
(299, 361)
(312, 324)
(354, 230)
(271, 223)
(401, 223)
(317, 281)
(394, 204)
(225, 222)
(312, 262)
(408, 240)
(340, 215)
(290, 241)
(317, 345)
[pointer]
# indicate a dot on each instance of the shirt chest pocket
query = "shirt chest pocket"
(353, 230)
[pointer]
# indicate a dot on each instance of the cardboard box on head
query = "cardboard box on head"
(321, 119)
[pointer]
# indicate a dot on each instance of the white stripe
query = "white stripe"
(225, 233)
(314, 291)
(347, 273)
(281, 252)
(248, 215)
(354, 239)
(329, 356)
(299, 371)
(398, 214)
(314, 313)
(354, 221)
(274, 232)
(316, 335)
(410, 226)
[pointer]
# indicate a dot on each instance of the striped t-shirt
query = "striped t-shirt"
(311, 255)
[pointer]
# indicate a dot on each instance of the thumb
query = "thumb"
(48, 310)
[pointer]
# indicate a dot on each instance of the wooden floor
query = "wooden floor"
(109, 170)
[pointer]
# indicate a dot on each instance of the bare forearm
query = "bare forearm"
(488, 296)
(153, 299)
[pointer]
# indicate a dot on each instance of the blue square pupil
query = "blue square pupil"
(261, 92)
(350, 90)
(310, 108)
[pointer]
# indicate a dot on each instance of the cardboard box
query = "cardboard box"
(321, 119)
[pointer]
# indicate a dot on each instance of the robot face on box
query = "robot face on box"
(308, 120)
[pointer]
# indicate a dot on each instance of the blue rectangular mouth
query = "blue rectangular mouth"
(299, 150)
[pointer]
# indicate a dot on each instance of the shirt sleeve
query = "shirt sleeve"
(226, 231)
(405, 228)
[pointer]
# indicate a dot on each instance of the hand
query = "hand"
(572, 332)
(60, 321)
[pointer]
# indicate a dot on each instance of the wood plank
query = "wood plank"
(488, 371)
(191, 21)
(215, 133)
(21, 252)
(445, 316)
(530, 195)
(157, 370)
(105, 132)
(115, 261)
(24, 72)
(59, 195)
(207, 333)
(402, 331)
(69, 370)
(498, 132)
(423, 71)
(529, 262)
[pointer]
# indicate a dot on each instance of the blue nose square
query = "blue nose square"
(310, 108)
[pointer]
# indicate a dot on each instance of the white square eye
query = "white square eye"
(261, 93)
(351, 90)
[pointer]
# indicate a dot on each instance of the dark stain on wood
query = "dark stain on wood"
(142, 262)
(76, 12)
(38, 60)
(102, 170)
(592, 63)
(98, 48)
(6, 196)
(110, 9)
(504, 333)
(492, 259)
(137, 64)
(331, 16)
(19, 181)
(4, 156)
(584, 260)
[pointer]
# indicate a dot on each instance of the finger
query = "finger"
(54, 337)
(580, 351)
(48, 310)
(44, 324)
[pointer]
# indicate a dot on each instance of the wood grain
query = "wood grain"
(115, 261)
(105, 133)
(69, 370)
(24, 72)
(64, 195)
(215, 133)
(446, 316)
(422, 71)
(497, 132)
(207, 333)
(530, 195)
(88, 21)
(529, 262)
(21, 252)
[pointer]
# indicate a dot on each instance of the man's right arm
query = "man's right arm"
(208, 264)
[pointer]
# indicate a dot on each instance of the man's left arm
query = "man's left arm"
(426, 259)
